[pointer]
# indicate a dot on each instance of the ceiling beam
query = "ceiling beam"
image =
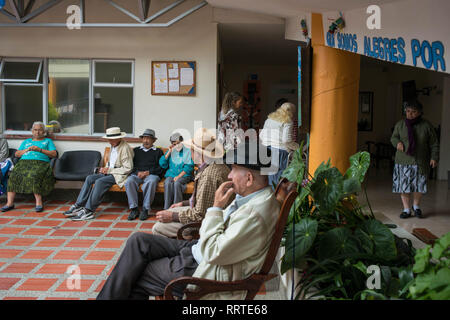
(8, 14)
(162, 11)
(144, 6)
(128, 13)
(29, 6)
(40, 10)
(15, 10)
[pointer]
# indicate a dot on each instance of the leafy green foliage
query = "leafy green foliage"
(433, 272)
(336, 239)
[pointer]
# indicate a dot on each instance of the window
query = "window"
(22, 93)
(80, 96)
(20, 70)
(68, 95)
(113, 95)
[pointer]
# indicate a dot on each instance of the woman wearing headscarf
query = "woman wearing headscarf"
(417, 150)
(33, 173)
(230, 121)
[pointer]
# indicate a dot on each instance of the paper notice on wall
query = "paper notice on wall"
(161, 86)
(174, 85)
(173, 73)
(186, 77)
(160, 71)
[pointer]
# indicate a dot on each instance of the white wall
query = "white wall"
(193, 38)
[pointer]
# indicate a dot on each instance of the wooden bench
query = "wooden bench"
(159, 188)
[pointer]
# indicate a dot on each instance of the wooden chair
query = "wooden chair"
(285, 193)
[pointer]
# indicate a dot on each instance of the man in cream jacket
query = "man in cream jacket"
(116, 171)
(233, 240)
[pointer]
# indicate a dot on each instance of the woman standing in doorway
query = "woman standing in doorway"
(417, 150)
(230, 121)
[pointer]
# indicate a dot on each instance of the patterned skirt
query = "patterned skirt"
(407, 179)
(31, 176)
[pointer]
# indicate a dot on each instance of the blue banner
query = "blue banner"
(2, 3)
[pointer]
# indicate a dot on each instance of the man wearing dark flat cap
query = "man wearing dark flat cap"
(146, 171)
(233, 243)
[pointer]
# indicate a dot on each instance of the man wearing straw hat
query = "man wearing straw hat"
(116, 171)
(206, 150)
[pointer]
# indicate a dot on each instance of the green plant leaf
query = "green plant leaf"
(323, 166)
(327, 189)
(351, 185)
(296, 169)
(440, 246)
(365, 241)
(422, 259)
(359, 164)
(382, 237)
(372, 295)
(361, 267)
(335, 242)
(305, 234)
(441, 279)
(421, 283)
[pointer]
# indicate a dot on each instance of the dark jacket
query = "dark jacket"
(427, 145)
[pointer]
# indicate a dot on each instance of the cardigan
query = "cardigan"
(178, 162)
(427, 145)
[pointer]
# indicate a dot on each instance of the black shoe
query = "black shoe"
(73, 211)
(6, 208)
(144, 214)
(39, 209)
(418, 213)
(133, 214)
(405, 215)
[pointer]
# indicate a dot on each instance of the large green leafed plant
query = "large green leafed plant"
(334, 240)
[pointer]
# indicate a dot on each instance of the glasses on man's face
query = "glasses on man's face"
(174, 143)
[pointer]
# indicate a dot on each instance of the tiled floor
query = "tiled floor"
(40, 253)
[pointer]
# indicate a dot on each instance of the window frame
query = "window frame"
(12, 80)
(110, 85)
(44, 85)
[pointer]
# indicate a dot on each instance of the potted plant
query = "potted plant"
(334, 240)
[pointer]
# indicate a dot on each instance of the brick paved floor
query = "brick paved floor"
(39, 251)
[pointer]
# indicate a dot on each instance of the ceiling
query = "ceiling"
(291, 8)
(257, 44)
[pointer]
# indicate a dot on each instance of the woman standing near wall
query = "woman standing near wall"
(230, 121)
(417, 150)
(278, 135)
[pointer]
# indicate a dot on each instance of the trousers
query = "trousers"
(173, 190)
(149, 185)
(146, 265)
(90, 196)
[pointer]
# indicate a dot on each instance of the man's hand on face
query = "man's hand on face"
(164, 216)
(223, 194)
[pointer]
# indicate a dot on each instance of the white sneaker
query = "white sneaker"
(83, 214)
(73, 211)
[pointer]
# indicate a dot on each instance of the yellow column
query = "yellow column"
(334, 109)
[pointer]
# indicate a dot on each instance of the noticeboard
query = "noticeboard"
(173, 78)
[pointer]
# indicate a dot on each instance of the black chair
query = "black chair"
(12, 155)
(76, 165)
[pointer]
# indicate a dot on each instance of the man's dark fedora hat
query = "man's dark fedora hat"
(148, 133)
(248, 154)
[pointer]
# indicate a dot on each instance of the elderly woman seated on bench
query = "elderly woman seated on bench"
(33, 173)
(178, 161)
